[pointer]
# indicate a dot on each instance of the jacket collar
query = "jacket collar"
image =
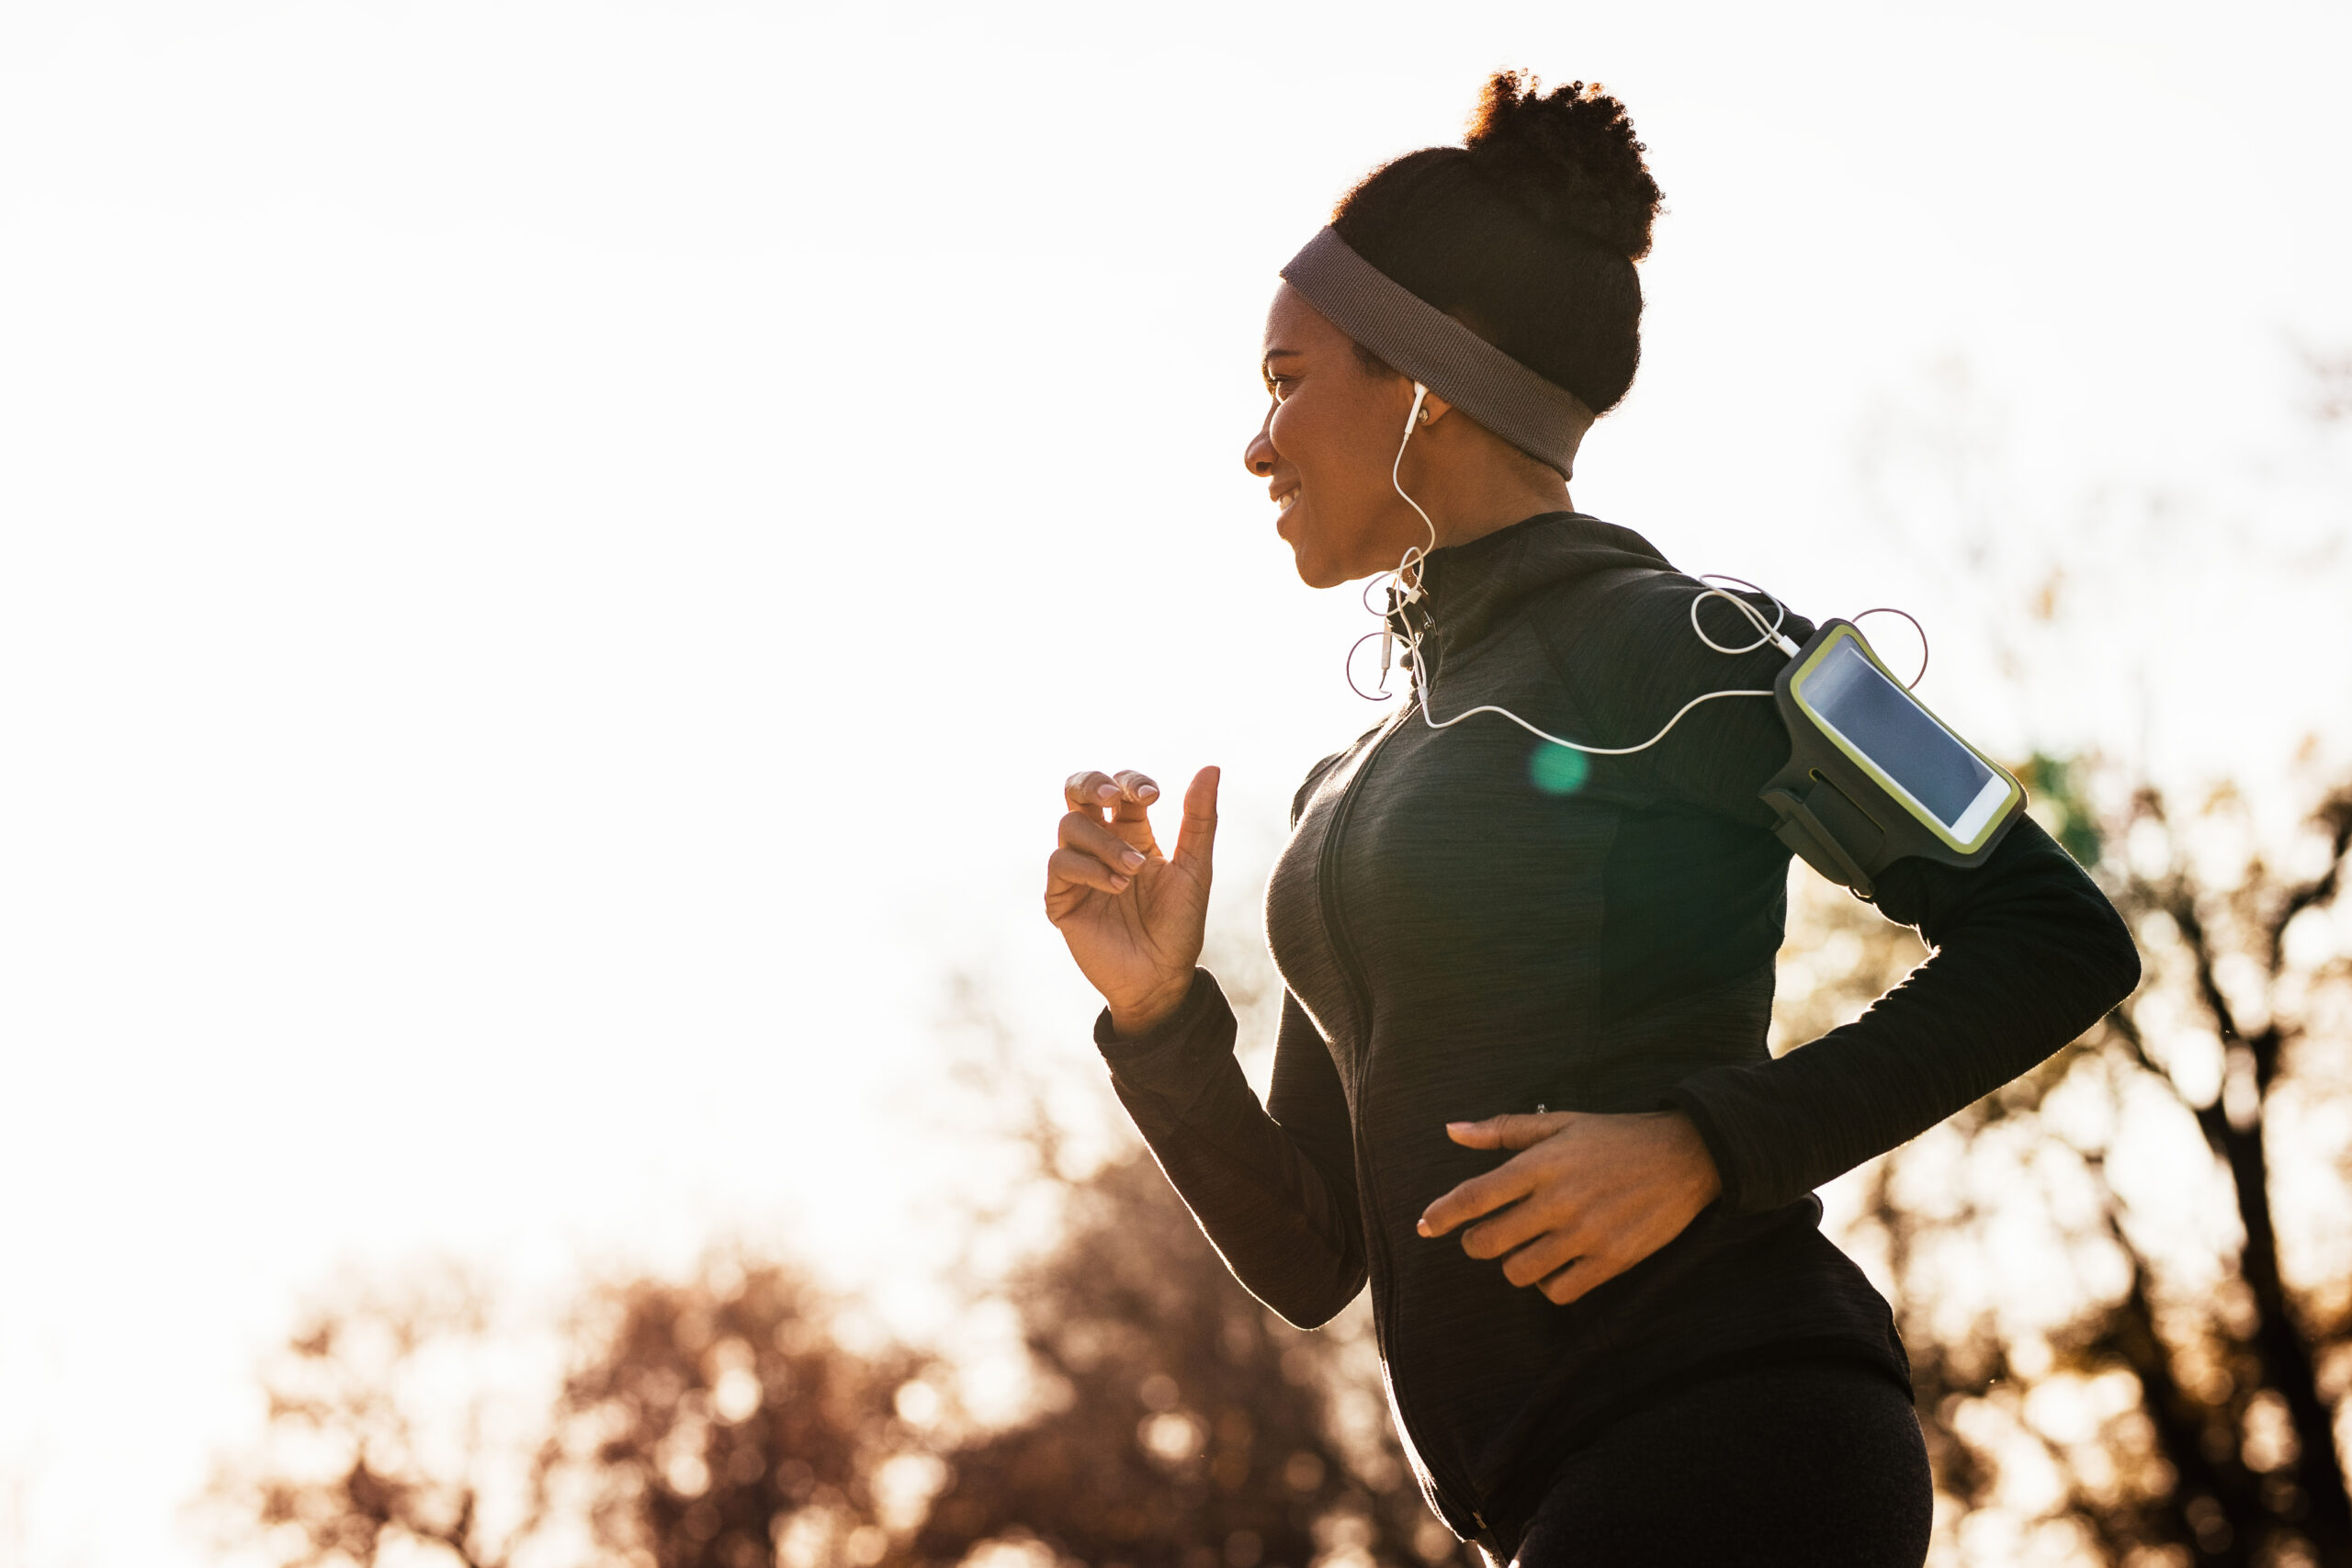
(1470, 589)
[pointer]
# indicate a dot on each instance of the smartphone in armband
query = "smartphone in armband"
(1872, 776)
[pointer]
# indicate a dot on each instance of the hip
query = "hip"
(1815, 1463)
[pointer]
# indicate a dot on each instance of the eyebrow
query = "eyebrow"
(1273, 354)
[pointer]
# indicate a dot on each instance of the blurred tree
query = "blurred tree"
(715, 1423)
(1183, 1425)
(2124, 1279)
(1179, 1423)
(382, 1440)
(722, 1422)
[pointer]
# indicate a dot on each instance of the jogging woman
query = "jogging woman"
(1521, 1085)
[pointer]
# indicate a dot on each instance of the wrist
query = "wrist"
(1700, 1158)
(1130, 1019)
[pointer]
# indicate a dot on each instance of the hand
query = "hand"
(1133, 917)
(1590, 1197)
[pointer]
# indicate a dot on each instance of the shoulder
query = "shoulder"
(1629, 641)
(1659, 611)
(1687, 666)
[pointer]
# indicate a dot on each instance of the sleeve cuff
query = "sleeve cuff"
(1171, 1059)
(1692, 1103)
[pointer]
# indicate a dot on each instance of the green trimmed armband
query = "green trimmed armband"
(1872, 776)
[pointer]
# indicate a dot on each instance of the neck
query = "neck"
(1478, 505)
(1472, 493)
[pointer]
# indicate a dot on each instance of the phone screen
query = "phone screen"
(1855, 700)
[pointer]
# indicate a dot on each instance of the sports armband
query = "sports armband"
(1872, 776)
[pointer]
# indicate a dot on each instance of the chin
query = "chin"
(1312, 570)
(1313, 573)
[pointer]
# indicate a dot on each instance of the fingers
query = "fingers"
(1543, 1257)
(1096, 853)
(1507, 1132)
(1196, 837)
(1094, 791)
(1506, 1184)
(1085, 832)
(1088, 791)
(1519, 1224)
(1076, 868)
(1125, 795)
(1129, 805)
(1587, 1274)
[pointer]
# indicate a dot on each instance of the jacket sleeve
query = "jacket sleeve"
(2024, 951)
(1274, 1185)
(2024, 955)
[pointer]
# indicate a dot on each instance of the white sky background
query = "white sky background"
(553, 558)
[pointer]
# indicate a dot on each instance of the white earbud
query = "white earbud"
(1416, 414)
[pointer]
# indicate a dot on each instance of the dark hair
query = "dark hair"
(1527, 233)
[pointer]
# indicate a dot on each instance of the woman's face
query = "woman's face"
(1330, 435)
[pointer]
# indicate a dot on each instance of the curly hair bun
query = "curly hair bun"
(1567, 159)
(1527, 233)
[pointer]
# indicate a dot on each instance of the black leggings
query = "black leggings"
(1811, 1463)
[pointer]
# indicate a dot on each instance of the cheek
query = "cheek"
(1340, 520)
(1291, 430)
(1311, 441)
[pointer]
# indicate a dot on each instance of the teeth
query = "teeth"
(1284, 503)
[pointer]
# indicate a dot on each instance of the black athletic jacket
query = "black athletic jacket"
(1470, 921)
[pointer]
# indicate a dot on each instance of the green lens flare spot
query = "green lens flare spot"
(1555, 770)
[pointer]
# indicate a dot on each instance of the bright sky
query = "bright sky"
(553, 557)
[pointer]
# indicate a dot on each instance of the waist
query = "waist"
(1497, 1383)
(1479, 1057)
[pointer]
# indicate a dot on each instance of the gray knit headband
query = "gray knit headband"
(1539, 417)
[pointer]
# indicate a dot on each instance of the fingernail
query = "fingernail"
(1424, 1226)
(1131, 859)
(1106, 791)
(1459, 1126)
(1147, 790)
(1119, 884)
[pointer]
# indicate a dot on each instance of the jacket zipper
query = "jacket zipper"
(1327, 876)
(1326, 880)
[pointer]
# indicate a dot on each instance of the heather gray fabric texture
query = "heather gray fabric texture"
(1471, 922)
(1535, 414)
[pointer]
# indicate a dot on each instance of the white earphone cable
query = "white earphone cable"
(1405, 585)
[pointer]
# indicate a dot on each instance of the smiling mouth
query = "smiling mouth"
(1283, 502)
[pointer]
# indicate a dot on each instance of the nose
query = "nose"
(1259, 455)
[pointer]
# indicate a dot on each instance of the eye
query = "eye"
(1278, 386)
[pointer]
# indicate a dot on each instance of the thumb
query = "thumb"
(1505, 1131)
(1196, 838)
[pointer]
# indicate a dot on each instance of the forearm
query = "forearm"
(2028, 955)
(1289, 1230)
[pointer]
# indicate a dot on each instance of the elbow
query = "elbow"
(2118, 961)
(1315, 1307)
(2127, 965)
